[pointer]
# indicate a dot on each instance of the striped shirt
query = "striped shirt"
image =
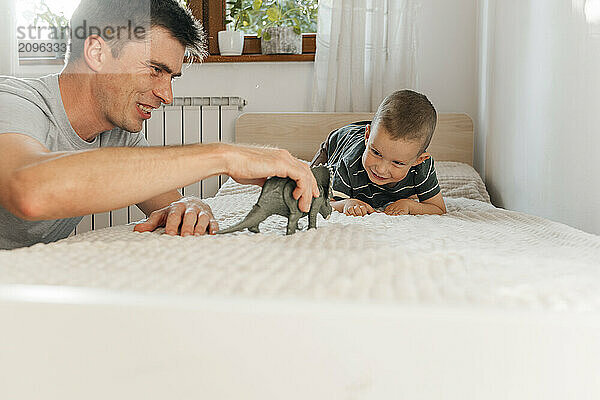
(345, 148)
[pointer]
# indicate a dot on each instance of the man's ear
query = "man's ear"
(94, 52)
(421, 158)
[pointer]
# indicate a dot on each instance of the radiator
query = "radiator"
(187, 120)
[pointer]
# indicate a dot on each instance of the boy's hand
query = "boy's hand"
(399, 207)
(357, 208)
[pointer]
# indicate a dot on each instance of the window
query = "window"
(42, 32)
(252, 16)
(42, 29)
(214, 16)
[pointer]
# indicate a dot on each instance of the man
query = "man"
(66, 142)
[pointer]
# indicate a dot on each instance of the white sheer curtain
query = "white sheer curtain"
(366, 49)
(8, 39)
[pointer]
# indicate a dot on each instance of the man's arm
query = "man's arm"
(50, 185)
(36, 184)
(158, 202)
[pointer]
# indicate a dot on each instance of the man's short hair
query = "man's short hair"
(407, 115)
(120, 21)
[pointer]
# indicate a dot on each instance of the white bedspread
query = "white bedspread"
(476, 254)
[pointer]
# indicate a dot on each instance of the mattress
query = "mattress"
(450, 286)
(476, 254)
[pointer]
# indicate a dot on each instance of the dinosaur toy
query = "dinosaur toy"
(276, 198)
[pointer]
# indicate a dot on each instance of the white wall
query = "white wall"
(284, 86)
(447, 63)
(542, 115)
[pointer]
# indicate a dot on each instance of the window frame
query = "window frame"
(50, 59)
(212, 15)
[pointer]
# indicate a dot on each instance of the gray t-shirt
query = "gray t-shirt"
(34, 107)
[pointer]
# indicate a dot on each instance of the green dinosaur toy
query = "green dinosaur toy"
(276, 198)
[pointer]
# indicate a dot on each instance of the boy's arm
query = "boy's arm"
(321, 155)
(433, 205)
(428, 204)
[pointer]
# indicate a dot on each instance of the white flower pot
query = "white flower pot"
(231, 43)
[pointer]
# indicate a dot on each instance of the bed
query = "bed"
(479, 303)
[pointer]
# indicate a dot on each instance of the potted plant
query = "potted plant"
(281, 31)
(231, 41)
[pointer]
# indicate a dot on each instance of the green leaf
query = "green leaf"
(259, 32)
(252, 15)
(273, 13)
(297, 30)
(267, 36)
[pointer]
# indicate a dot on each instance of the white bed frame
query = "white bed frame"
(73, 344)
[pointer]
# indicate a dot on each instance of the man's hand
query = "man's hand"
(194, 216)
(252, 165)
(399, 207)
(357, 208)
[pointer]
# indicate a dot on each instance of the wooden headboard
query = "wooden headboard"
(302, 133)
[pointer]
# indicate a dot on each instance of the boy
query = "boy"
(382, 165)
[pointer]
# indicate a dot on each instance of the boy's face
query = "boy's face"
(387, 161)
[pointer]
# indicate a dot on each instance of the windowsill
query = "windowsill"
(42, 61)
(259, 58)
(210, 59)
(252, 52)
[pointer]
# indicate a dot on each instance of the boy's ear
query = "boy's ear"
(367, 132)
(421, 158)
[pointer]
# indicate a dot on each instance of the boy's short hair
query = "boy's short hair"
(118, 22)
(407, 115)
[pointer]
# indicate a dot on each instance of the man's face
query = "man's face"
(386, 160)
(139, 80)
